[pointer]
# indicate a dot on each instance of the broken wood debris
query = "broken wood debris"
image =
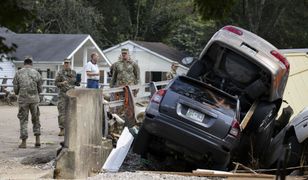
(214, 173)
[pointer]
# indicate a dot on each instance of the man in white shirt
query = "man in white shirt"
(93, 72)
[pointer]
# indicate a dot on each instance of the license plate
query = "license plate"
(195, 115)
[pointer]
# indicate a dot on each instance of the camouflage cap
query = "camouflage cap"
(66, 60)
(124, 50)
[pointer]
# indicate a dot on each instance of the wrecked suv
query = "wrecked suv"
(233, 90)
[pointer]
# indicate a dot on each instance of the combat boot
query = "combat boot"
(37, 141)
(23, 143)
(61, 133)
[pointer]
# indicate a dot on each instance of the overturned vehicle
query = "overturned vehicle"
(225, 108)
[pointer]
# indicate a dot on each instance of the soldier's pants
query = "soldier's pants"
(23, 115)
(62, 110)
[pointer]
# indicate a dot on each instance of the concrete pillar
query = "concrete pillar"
(73, 62)
(105, 76)
(82, 153)
(84, 62)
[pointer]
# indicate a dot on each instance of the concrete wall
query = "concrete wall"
(82, 152)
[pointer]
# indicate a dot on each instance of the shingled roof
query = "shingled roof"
(44, 47)
(164, 50)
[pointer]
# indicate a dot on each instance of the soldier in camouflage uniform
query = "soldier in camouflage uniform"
(27, 85)
(125, 71)
(65, 80)
(172, 73)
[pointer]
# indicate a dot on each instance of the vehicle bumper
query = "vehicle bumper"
(191, 138)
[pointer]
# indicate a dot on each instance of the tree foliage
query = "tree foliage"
(214, 9)
(13, 15)
(66, 17)
(281, 22)
(175, 22)
(192, 34)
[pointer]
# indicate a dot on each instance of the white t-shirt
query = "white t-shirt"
(92, 68)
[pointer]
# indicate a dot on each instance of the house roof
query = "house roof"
(156, 48)
(47, 47)
(163, 49)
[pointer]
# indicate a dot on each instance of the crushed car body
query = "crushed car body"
(224, 108)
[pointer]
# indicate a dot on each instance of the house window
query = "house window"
(154, 76)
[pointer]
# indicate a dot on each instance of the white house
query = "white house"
(7, 69)
(153, 58)
(49, 51)
(297, 86)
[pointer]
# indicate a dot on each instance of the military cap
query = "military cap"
(66, 60)
(124, 50)
(28, 58)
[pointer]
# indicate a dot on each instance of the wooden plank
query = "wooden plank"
(205, 172)
(248, 115)
(210, 173)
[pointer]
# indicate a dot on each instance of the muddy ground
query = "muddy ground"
(38, 163)
(35, 163)
(30, 163)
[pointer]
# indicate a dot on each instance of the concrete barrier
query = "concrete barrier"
(82, 154)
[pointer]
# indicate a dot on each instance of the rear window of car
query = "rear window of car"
(202, 93)
(232, 65)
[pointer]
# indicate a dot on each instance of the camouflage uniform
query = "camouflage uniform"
(28, 84)
(171, 74)
(124, 72)
(65, 80)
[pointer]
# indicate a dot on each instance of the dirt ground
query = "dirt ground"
(30, 163)
(38, 163)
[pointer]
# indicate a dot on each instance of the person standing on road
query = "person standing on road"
(93, 72)
(172, 73)
(65, 80)
(27, 85)
(125, 71)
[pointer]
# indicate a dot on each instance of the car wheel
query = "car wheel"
(140, 143)
(295, 152)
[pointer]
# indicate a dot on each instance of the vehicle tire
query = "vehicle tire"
(140, 143)
(261, 128)
(296, 152)
(264, 112)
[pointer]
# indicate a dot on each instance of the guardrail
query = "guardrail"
(45, 86)
(153, 86)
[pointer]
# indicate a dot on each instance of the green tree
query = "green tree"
(66, 17)
(13, 15)
(271, 19)
(214, 9)
(192, 34)
(147, 20)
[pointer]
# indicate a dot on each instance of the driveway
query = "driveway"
(30, 163)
